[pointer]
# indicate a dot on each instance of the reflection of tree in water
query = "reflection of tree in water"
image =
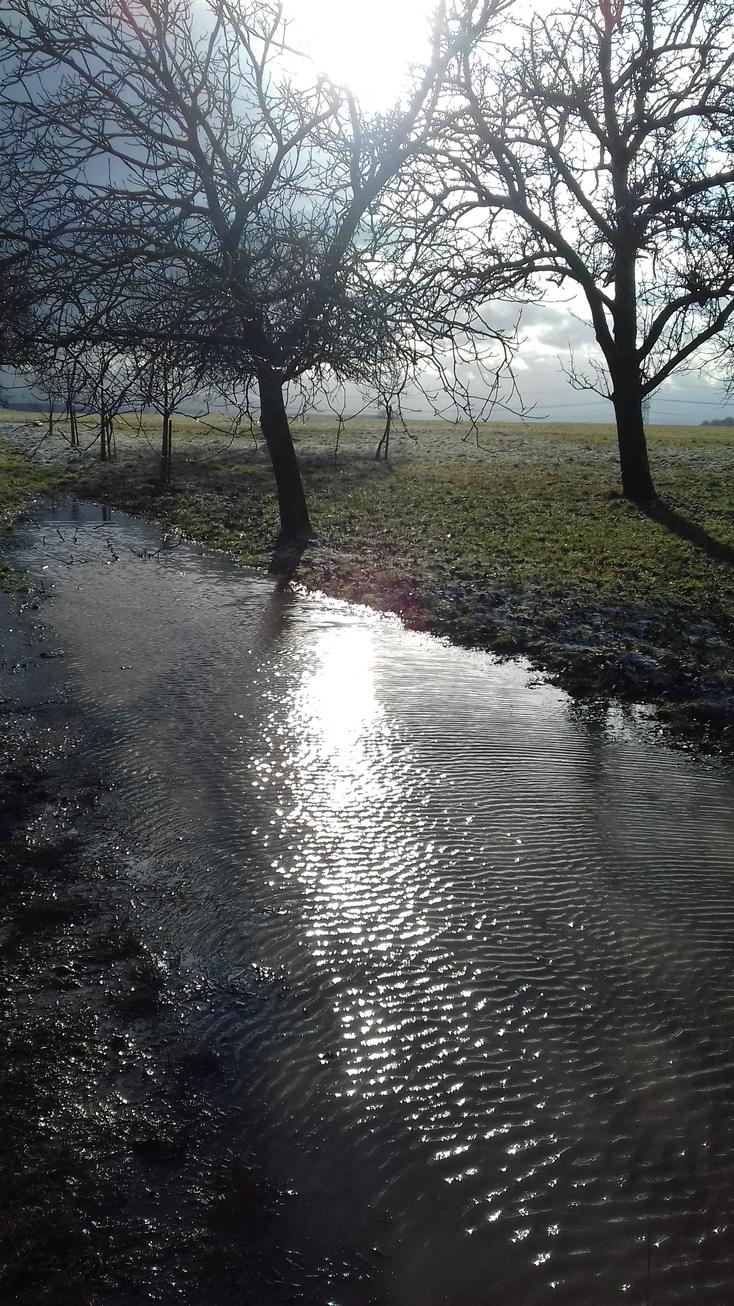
(276, 619)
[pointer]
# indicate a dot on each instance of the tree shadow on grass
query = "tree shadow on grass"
(673, 520)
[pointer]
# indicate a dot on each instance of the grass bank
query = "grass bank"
(21, 481)
(516, 540)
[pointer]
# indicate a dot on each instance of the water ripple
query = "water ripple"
(485, 946)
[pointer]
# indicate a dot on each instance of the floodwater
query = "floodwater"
(470, 948)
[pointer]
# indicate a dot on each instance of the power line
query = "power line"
(699, 403)
(657, 403)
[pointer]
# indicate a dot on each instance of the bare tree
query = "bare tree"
(169, 373)
(595, 145)
(56, 369)
(174, 134)
(390, 385)
(109, 379)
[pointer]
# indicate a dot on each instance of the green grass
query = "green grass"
(20, 483)
(538, 508)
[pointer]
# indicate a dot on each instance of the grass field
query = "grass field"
(515, 538)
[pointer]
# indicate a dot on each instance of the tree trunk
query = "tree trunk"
(73, 425)
(623, 359)
(637, 483)
(166, 451)
(384, 442)
(294, 519)
(103, 436)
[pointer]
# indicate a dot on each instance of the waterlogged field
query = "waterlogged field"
(510, 537)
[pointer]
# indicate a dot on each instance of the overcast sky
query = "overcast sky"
(548, 333)
(551, 332)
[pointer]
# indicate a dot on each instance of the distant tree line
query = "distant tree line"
(186, 211)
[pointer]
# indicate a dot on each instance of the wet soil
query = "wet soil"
(128, 1173)
(600, 651)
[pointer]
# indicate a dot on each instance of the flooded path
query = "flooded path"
(467, 950)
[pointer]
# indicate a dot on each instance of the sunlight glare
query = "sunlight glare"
(367, 47)
(340, 695)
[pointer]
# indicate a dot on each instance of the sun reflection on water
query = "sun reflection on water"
(364, 914)
(368, 837)
(337, 700)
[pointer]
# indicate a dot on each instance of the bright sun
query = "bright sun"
(367, 47)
